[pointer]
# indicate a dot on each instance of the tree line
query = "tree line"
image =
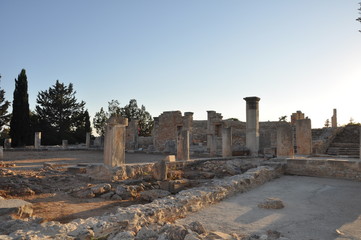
(59, 115)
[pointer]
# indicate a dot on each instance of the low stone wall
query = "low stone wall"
(133, 218)
(333, 168)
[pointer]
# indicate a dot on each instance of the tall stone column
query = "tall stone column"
(210, 127)
(285, 141)
(252, 125)
(227, 142)
(334, 119)
(114, 144)
(1, 153)
(87, 140)
(37, 140)
(183, 145)
(304, 137)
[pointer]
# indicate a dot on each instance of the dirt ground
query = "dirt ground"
(315, 208)
(23, 176)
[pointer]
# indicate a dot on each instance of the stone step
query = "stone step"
(344, 144)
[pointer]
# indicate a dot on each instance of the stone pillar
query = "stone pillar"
(37, 140)
(213, 146)
(334, 119)
(1, 153)
(227, 142)
(285, 146)
(114, 144)
(183, 145)
(210, 127)
(7, 143)
(65, 144)
(87, 140)
(304, 137)
(252, 125)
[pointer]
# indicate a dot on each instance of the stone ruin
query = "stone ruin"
(178, 185)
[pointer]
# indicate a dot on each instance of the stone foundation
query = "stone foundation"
(333, 168)
(159, 211)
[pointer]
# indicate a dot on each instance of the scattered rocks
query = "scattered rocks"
(4, 164)
(91, 191)
(271, 203)
(197, 227)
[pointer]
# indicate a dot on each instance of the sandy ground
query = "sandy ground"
(36, 159)
(315, 208)
(53, 203)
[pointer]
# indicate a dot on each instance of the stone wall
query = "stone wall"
(167, 126)
(345, 169)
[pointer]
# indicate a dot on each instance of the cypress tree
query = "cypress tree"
(4, 116)
(20, 120)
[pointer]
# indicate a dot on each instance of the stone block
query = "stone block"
(169, 158)
(17, 206)
(304, 137)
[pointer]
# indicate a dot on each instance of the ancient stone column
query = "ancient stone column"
(7, 143)
(37, 140)
(1, 153)
(285, 141)
(210, 127)
(65, 144)
(252, 125)
(334, 119)
(114, 144)
(226, 142)
(87, 140)
(304, 137)
(183, 145)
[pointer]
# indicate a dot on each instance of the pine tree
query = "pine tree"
(20, 128)
(58, 113)
(4, 105)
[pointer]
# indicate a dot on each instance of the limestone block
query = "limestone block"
(169, 158)
(226, 142)
(37, 140)
(285, 141)
(304, 137)
(18, 206)
(7, 143)
(114, 145)
(160, 170)
(153, 194)
(87, 140)
(65, 144)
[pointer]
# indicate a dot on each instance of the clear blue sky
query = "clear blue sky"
(190, 55)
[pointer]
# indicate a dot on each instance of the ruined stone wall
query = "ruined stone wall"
(145, 142)
(165, 129)
(350, 169)
(322, 138)
(199, 132)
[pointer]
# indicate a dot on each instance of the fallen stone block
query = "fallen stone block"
(151, 195)
(272, 203)
(17, 206)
